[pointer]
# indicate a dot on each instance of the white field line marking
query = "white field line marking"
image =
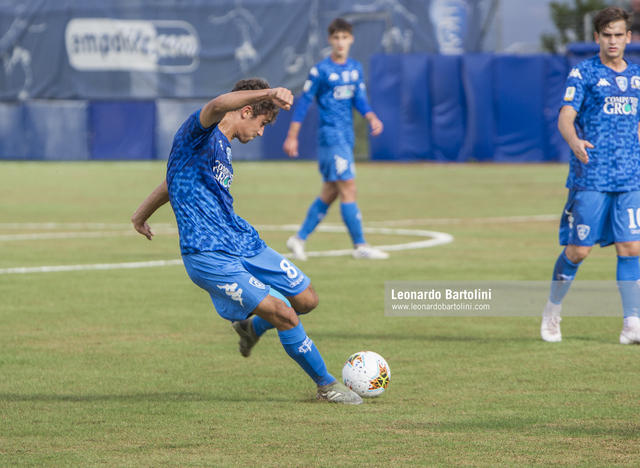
(434, 238)
(490, 220)
(77, 234)
(395, 222)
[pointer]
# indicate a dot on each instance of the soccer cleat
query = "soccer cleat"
(338, 393)
(296, 245)
(365, 251)
(630, 333)
(550, 327)
(248, 337)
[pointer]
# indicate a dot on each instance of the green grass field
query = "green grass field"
(133, 367)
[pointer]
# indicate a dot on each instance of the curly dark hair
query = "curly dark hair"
(259, 108)
(610, 15)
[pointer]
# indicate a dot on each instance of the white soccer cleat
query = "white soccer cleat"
(630, 333)
(296, 246)
(550, 327)
(367, 252)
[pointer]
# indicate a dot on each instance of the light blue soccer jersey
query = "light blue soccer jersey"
(607, 106)
(199, 174)
(338, 88)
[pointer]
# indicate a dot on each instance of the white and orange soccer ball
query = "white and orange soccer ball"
(367, 374)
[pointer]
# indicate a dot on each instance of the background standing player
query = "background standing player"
(599, 121)
(337, 83)
(223, 253)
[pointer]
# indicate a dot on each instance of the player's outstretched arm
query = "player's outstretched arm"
(374, 123)
(567, 129)
(290, 145)
(155, 200)
(214, 110)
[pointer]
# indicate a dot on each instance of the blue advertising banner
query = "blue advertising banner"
(147, 49)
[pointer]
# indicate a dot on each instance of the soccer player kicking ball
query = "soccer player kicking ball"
(223, 253)
(599, 120)
(337, 83)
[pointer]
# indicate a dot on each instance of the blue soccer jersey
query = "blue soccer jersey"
(199, 174)
(338, 88)
(607, 106)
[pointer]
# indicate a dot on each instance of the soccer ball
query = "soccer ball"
(366, 373)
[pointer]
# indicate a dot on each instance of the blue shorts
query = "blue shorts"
(603, 218)
(336, 163)
(238, 284)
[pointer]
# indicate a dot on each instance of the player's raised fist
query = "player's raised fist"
(282, 98)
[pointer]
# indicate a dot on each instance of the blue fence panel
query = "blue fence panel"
(448, 110)
(399, 94)
(57, 130)
(14, 141)
(122, 129)
(477, 78)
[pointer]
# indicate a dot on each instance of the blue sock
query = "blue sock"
(260, 325)
(302, 350)
(628, 274)
(563, 274)
(353, 219)
(315, 214)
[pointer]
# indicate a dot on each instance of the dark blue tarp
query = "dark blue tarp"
(475, 107)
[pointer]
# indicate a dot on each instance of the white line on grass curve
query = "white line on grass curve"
(434, 238)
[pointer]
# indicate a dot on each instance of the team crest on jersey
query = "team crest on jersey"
(575, 73)
(622, 83)
(255, 282)
(583, 231)
(334, 77)
(570, 93)
(603, 82)
(635, 82)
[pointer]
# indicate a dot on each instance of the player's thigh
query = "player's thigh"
(336, 162)
(277, 271)
(586, 219)
(235, 292)
(625, 217)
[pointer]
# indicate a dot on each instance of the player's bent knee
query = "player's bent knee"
(286, 317)
(306, 301)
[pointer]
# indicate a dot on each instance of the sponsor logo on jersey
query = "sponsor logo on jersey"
(622, 83)
(166, 46)
(334, 77)
(635, 82)
(583, 231)
(620, 105)
(575, 73)
(255, 282)
(603, 82)
(233, 291)
(570, 93)
(343, 92)
(222, 175)
(341, 164)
